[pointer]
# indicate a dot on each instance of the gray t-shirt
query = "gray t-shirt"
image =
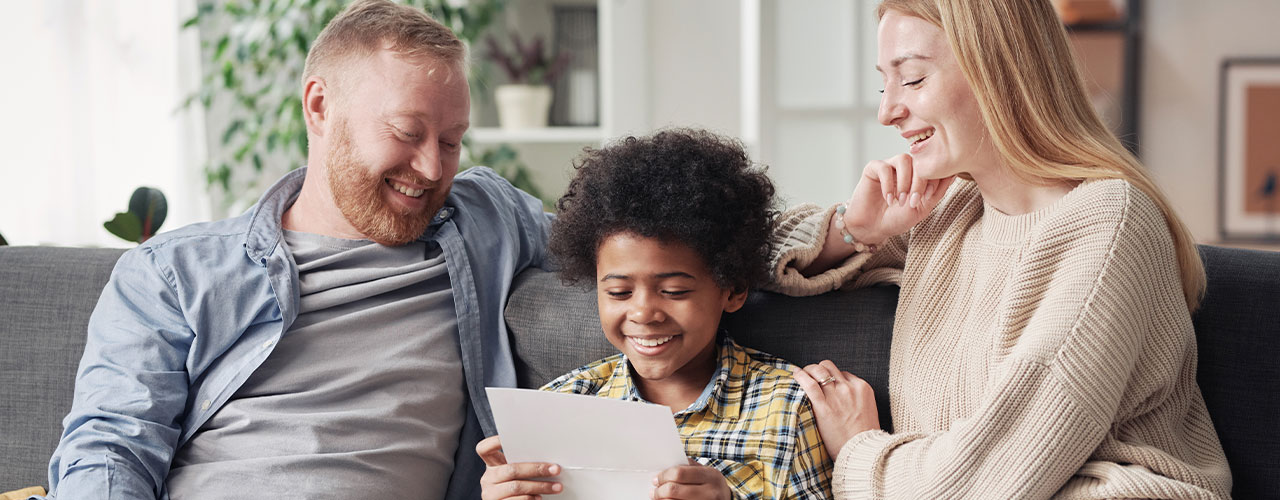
(364, 396)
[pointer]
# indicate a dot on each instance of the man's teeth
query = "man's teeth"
(405, 190)
(920, 137)
(653, 342)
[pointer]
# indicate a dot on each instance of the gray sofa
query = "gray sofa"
(46, 295)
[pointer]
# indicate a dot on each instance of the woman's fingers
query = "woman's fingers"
(882, 174)
(829, 368)
(809, 385)
(902, 166)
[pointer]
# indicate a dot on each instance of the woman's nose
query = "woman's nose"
(892, 110)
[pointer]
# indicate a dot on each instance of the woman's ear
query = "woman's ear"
(735, 301)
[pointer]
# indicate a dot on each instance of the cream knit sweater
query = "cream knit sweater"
(1043, 355)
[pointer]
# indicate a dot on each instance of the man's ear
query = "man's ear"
(316, 104)
(736, 300)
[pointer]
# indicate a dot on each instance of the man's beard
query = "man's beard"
(359, 195)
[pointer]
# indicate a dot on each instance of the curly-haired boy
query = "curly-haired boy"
(673, 230)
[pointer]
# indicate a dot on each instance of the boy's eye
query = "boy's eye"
(676, 293)
(618, 294)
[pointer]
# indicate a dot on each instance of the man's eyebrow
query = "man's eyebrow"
(897, 61)
(612, 276)
(462, 125)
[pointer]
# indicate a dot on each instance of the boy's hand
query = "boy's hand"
(690, 482)
(503, 480)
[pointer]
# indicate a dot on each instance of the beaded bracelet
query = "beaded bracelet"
(858, 246)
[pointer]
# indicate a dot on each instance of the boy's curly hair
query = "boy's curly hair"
(680, 185)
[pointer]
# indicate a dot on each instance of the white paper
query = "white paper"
(606, 448)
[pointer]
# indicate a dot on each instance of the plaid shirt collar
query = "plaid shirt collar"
(721, 401)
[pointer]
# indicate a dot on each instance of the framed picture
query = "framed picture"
(1249, 150)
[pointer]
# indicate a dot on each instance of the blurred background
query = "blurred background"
(199, 99)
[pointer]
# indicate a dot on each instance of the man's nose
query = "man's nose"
(427, 162)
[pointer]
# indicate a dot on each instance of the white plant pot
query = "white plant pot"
(523, 106)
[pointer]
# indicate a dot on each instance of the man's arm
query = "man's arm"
(131, 388)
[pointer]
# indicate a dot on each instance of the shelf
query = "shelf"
(548, 135)
(1103, 27)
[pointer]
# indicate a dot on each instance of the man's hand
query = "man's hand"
(843, 404)
(503, 480)
(690, 482)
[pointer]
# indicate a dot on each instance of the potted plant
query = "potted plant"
(147, 211)
(525, 101)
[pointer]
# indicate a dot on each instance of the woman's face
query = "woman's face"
(927, 98)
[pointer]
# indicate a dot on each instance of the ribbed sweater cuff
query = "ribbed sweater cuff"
(858, 469)
(796, 243)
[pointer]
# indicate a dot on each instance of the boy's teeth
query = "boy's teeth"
(653, 342)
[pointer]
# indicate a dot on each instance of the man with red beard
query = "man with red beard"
(335, 340)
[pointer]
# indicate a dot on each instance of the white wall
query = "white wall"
(694, 64)
(1186, 41)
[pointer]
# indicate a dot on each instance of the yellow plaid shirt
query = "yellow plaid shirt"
(753, 423)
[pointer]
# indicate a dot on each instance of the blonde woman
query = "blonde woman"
(1043, 344)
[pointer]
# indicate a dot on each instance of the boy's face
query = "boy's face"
(660, 306)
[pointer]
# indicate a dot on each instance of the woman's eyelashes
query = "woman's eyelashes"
(912, 83)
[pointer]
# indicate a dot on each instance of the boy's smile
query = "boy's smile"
(661, 307)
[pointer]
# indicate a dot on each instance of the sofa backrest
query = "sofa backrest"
(47, 294)
(555, 329)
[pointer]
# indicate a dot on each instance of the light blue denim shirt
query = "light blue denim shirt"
(187, 316)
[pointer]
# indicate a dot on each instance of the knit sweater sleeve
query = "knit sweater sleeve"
(798, 240)
(1055, 390)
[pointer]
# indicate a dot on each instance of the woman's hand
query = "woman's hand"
(503, 480)
(889, 199)
(690, 482)
(843, 404)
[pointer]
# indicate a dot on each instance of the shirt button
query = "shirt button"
(205, 405)
(267, 344)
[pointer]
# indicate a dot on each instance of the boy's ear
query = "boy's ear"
(735, 301)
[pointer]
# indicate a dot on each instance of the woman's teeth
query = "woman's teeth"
(921, 136)
(405, 190)
(655, 342)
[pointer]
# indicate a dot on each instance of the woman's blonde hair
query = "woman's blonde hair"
(1016, 58)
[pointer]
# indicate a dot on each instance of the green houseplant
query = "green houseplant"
(254, 61)
(147, 211)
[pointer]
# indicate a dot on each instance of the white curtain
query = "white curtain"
(90, 95)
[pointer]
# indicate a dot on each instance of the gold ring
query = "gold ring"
(827, 380)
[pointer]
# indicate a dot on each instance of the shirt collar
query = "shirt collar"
(716, 396)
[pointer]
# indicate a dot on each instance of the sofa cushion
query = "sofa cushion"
(46, 296)
(1238, 339)
(555, 329)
